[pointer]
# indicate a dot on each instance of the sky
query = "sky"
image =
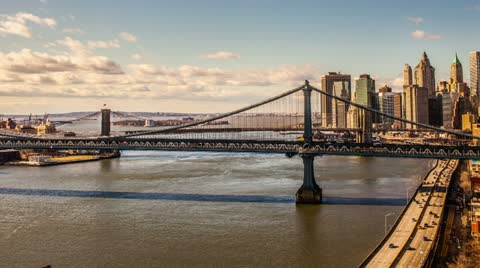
(212, 55)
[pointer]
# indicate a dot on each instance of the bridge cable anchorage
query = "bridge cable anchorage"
(208, 120)
(394, 117)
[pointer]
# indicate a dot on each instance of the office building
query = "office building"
(339, 108)
(474, 57)
(328, 81)
(416, 105)
(425, 75)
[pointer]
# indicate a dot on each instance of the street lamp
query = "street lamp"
(386, 216)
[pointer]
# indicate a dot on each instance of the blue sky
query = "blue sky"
(192, 54)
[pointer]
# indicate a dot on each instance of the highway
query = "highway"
(411, 240)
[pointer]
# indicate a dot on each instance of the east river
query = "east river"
(199, 210)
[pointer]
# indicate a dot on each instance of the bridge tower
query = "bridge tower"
(105, 122)
(309, 192)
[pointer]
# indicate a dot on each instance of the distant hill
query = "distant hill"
(82, 114)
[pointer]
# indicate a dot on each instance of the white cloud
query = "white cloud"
(43, 1)
(128, 37)
(415, 20)
(137, 57)
(103, 44)
(419, 34)
(17, 24)
(220, 55)
(79, 58)
(27, 61)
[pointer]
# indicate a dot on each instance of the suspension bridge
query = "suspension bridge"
(289, 123)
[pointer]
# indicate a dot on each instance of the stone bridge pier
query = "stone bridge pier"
(309, 192)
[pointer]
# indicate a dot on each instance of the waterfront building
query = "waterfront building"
(474, 57)
(11, 124)
(46, 128)
(425, 75)
(25, 129)
(328, 81)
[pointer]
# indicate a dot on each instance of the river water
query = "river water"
(199, 210)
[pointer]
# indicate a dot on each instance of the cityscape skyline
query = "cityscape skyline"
(57, 51)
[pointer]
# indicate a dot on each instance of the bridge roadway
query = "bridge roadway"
(412, 239)
(247, 145)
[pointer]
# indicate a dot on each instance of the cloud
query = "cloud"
(137, 57)
(220, 55)
(17, 24)
(103, 44)
(27, 61)
(73, 30)
(79, 57)
(43, 1)
(415, 20)
(128, 37)
(419, 34)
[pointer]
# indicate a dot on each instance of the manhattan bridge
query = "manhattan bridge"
(287, 124)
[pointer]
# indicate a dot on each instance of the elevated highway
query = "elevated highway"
(412, 240)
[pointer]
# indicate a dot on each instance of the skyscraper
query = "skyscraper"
(425, 75)
(339, 108)
(364, 90)
(475, 72)
(456, 71)
(387, 105)
(416, 105)
(456, 83)
(359, 118)
(328, 81)
(407, 75)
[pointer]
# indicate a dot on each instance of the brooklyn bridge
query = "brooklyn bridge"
(287, 124)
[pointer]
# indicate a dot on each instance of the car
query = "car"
(426, 239)
(409, 248)
(414, 220)
(391, 245)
